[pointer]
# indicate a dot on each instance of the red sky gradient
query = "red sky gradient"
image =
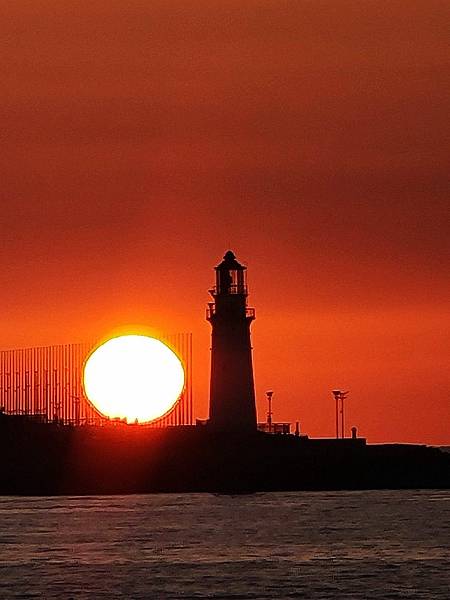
(141, 140)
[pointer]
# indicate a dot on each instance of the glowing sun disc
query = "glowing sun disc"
(133, 377)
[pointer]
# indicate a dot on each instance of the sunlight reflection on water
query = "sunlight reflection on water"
(376, 544)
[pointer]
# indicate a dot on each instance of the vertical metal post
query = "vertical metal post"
(16, 392)
(191, 400)
(337, 416)
(46, 384)
(27, 392)
(269, 395)
(337, 395)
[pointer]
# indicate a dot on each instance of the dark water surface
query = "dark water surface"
(376, 544)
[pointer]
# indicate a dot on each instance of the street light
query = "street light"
(269, 395)
(340, 395)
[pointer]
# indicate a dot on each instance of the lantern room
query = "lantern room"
(230, 277)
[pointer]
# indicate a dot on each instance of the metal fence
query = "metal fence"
(47, 384)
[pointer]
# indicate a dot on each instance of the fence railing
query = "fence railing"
(47, 383)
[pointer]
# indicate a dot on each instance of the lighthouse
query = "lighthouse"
(232, 392)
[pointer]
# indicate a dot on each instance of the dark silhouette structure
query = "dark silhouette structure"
(232, 392)
(67, 456)
(50, 459)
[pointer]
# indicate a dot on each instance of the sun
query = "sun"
(133, 377)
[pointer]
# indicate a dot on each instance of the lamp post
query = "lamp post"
(339, 395)
(269, 395)
(336, 394)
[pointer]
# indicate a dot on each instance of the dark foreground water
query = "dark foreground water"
(287, 545)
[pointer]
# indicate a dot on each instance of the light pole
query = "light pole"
(340, 395)
(336, 394)
(269, 395)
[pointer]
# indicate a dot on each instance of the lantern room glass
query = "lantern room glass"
(231, 281)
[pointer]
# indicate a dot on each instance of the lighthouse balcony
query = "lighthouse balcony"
(212, 309)
(234, 288)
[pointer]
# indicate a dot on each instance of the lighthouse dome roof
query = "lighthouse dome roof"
(230, 263)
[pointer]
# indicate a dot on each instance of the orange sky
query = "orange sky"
(142, 139)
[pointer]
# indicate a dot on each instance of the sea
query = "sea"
(365, 545)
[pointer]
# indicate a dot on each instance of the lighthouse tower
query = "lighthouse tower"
(232, 392)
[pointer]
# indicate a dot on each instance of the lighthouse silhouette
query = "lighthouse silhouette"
(232, 391)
